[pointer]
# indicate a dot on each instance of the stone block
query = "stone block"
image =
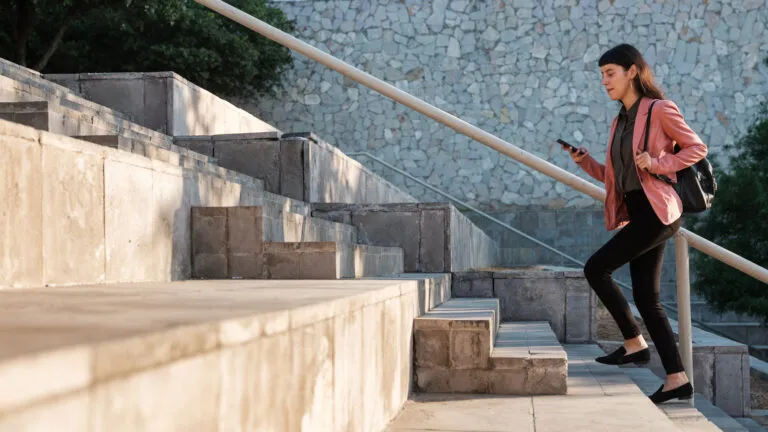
(433, 250)
(156, 104)
(580, 311)
(469, 381)
(431, 348)
(209, 242)
(256, 158)
(533, 299)
(123, 95)
(729, 385)
(430, 380)
(323, 265)
(282, 264)
(547, 380)
(470, 349)
(21, 194)
(210, 266)
(473, 284)
(703, 371)
(391, 228)
(244, 232)
(293, 169)
(73, 216)
(508, 381)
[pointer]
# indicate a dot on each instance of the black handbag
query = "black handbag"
(695, 185)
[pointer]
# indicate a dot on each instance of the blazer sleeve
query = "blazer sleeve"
(593, 167)
(692, 149)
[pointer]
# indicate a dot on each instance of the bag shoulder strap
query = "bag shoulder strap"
(648, 126)
(645, 142)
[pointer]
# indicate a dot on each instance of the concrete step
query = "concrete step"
(600, 398)
(209, 355)
(256, 242)
(459, 347)
(329, 260)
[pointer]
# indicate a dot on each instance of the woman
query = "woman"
(646, 209)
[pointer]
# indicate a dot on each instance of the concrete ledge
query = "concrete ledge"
(202, 345)
(434, 237)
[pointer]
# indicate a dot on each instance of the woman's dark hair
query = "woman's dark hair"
(626, 55)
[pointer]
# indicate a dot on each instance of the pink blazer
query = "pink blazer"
(667, 128)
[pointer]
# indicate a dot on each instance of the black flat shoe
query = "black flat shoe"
(684, 392)
(618, 357)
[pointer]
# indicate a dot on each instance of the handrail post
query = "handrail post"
(684, 306)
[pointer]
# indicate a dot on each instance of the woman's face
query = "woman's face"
(616, 80)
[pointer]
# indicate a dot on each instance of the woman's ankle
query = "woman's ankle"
(635, 344)
(676, 380)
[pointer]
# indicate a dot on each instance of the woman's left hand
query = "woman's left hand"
(643, 161)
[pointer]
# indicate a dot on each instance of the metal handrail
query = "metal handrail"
(682, 239)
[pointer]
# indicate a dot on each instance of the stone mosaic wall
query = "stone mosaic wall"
(524, 70)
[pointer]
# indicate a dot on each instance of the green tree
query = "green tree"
(737, 221)
(72, 36)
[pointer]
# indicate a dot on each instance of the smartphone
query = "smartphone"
(569, 146)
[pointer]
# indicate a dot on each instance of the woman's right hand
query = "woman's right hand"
(576, 156)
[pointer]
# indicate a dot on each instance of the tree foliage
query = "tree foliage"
(73, 36)
(738, 221)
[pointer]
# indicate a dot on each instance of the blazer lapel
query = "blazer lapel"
(638, 134)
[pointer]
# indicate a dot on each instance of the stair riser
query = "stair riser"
(549, 380)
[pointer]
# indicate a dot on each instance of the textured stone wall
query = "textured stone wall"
(524, 70)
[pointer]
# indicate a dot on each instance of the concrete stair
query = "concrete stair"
(210, 355)
(234, 242)
(461, 347)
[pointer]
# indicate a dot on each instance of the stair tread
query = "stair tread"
(463, 309)
(527, 339)
(97, 332)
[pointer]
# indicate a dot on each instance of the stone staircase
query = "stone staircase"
(462, 347)
(319, 301)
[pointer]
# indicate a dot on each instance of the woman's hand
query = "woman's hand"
(577, 156)
(643, 161)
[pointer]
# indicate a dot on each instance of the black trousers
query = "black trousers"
(641, 244)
